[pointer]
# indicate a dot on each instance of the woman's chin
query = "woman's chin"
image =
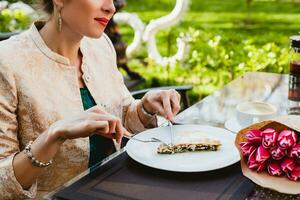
(95, 34)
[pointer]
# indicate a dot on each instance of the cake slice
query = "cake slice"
(204, 144)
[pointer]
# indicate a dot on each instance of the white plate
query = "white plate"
(146, 153)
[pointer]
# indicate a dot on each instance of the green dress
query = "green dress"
(100, 147)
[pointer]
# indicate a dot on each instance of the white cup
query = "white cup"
(251, 112)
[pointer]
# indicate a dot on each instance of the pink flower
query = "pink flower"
(287, 165)
(274, 169)
(295, 174)
(247, 148)
(287, 138)
(295, 152)
(254, 136)
(277, 153)
(257, 158)
(252, 163)
(261, 167)
(270, 137)
(262, 154)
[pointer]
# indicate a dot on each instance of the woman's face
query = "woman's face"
(87, 17)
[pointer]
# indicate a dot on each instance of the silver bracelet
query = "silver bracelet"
(34, 161)
(145, 112)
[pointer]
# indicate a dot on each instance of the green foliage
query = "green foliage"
(212, 63)
(25, 1)
(224, 46)
(216, 6)
(11, 21)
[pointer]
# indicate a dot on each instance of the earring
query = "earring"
(59, 21)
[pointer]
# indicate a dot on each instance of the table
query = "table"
(119, 177)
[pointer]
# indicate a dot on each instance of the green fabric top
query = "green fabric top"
(100, 147)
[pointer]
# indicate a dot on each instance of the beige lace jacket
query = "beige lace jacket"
(39, 87)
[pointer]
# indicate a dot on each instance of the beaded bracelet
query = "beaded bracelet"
(34, 161)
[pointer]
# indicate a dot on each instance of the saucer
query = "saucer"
(233, 125)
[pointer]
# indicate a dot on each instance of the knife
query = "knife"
(171, 132)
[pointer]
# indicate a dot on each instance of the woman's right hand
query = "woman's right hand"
(92, 121)
(44, 148)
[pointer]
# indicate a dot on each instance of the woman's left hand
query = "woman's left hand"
(164, 102)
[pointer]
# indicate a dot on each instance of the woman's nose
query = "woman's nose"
(108, 6)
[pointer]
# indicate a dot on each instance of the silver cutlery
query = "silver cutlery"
(149, 140)
(170, 124)
(173, 123)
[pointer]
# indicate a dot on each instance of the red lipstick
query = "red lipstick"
(102, 21)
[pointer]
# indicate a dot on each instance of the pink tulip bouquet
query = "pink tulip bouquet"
(276, 152)
(270, 155)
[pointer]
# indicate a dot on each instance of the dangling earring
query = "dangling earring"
(59, 21)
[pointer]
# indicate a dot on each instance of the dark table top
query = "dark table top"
(119, 177)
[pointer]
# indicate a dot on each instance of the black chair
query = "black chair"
(5, 36)
(182, 90)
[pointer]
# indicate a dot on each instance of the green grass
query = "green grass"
(230, 6)
(270, 20)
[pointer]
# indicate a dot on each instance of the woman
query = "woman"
(49, 75)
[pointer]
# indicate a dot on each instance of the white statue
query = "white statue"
(22, 6)
(3, 5)
(134, 21)
(148, 34)
(27, 9)
(162, 23)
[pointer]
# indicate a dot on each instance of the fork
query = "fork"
(167, 123)
(151, 140)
